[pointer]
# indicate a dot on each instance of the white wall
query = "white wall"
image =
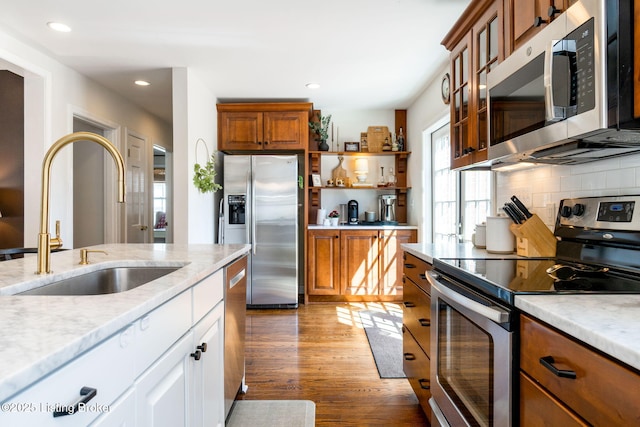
(541, 188)
(52, 93)
(426, 114)
(194, 117)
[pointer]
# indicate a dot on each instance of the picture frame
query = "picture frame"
(316, 181)
(351, 146)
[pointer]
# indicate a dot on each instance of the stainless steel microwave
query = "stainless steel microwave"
(567, 95)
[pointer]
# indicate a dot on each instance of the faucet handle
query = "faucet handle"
(84, 255)
(56, 242)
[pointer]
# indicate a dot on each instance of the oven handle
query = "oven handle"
(495, 314)
(437, 413)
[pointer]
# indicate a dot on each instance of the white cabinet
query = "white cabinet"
(106, 368)
(146, 375)
(207, 405)
(162, 391)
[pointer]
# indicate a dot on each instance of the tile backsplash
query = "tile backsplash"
(542, 187)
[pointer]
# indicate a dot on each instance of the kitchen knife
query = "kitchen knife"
(521, 207)
(507, 209)
(521, 217)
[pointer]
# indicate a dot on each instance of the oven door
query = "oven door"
(471, 367)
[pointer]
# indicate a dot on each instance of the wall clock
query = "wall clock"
(445, 88)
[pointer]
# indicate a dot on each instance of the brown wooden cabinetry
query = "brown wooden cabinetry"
(476, 46)
(525, 18)
(564, 382)
(355, 265)
(255, 127)
(416, 328)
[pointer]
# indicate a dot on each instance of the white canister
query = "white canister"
(322, 214)
(479, 238)
(500, 239)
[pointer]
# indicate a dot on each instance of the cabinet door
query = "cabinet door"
(391, 259)
(207, 371)
(162, 391)
(460, 100)
(286, 130)
(240, 131)
(528, 17)
(122, 412)
(323, 262)
(359, 262)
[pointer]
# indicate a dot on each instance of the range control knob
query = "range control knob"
(578, 209)
(566, 211)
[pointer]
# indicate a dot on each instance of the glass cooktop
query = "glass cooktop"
(504, 278)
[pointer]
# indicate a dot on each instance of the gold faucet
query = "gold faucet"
(45, 242)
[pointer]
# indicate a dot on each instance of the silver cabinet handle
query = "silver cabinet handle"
(235, 279)
(495, 314)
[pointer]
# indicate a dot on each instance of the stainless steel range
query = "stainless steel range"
(472, 303)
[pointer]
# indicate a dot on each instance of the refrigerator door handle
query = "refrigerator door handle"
(249, 213)
(254, 238)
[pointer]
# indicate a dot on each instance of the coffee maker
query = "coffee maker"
(352, 208)
(388, 208)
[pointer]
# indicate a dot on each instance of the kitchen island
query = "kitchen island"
(43, 333)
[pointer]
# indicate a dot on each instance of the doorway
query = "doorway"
(88, 188)
(160, 194)
(137, 190)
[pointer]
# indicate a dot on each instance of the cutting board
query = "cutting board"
(339, 172)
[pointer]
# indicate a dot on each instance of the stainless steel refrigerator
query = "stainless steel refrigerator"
(261, 207)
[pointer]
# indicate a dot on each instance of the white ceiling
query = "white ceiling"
(365, 54)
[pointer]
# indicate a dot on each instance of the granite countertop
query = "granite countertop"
(42, 333)
(609, 323)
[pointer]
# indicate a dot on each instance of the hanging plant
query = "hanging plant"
(204, 176)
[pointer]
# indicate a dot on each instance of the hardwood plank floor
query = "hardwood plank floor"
(321, 353)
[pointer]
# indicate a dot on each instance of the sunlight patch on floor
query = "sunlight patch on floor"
(348, 314)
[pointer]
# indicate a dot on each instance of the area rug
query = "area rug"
(272, 413)
(384, 332)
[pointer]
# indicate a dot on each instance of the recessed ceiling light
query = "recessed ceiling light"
(59, 26)
(142, 83)
(312, 85)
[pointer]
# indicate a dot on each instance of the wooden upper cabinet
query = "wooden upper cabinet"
(269, 126)
(476, 46)
(525, 18)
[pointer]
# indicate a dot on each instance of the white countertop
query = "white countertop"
(609, 323)
(41, 333)
(362, 227)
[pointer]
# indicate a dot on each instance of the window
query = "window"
(460, 199)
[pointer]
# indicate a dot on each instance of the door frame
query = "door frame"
(148, 172)
(113, 232)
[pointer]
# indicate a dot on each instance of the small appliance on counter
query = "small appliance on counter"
(352, 207)
(388, 209)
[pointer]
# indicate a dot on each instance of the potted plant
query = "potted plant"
(334, 216)
(204, 177)
(321, 129)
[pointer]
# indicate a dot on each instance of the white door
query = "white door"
(137, 194)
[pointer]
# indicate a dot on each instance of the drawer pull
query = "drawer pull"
(197, 355)
(425, 384)
(202, 347)
(425, 322)
(423, 276)
(548, 362)
(86, 394)
(409, 266)
(409, 304)
(409, 356)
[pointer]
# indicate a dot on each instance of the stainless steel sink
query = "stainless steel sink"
(106, 281)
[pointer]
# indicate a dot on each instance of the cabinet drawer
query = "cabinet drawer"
(107, 368)
(414, 269)
(207, 294)
(539, 408)
(416, 367)
(602, 391)
(417, 314)
(159, 329)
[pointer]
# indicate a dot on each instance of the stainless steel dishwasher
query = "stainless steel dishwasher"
(235, 312)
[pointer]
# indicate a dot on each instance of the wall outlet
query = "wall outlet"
(549, 214)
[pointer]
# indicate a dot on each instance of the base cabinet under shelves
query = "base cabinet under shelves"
(356, 265)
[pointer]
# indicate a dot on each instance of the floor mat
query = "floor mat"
(272, 413)
(384, 332)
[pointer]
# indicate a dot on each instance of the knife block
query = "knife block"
(533, 238)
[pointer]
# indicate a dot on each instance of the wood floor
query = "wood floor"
(321, 353)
